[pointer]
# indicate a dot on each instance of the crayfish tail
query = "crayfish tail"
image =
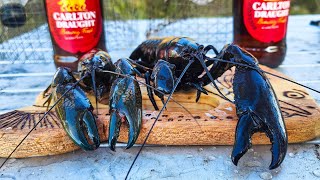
(244, 131)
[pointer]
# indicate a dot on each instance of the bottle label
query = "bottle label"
(75, 25)
(266, 20)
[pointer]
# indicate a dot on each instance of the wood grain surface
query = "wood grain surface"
(211, 121)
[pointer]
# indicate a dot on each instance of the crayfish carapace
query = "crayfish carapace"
(178, 52)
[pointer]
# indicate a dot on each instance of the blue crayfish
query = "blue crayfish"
(256, 103)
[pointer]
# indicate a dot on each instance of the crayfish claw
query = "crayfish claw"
(89, 127)
(134, 124)
(74, 110)
(243, 135)
(125, 103)
(250, 123)
(257, 107)
(279, 147)
(83, 130)
(134, 128)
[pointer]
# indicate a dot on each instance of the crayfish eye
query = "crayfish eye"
(101, 62)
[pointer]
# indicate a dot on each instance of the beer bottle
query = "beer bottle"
(76, 27)
(260, 27)
(12, 13)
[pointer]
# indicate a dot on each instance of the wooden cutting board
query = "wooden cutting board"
(211, 121)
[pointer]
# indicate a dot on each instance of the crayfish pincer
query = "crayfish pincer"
(163, 78)
(125, 103)
(256, 105)
(74, 110)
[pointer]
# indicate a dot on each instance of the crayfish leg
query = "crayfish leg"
(200, 89)
(149, 90)
(48, 101)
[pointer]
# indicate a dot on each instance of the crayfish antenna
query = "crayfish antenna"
(262, 71)
(312, 89)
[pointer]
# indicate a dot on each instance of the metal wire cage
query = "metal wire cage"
(127, 23)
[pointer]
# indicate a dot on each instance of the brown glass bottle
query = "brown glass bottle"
(260, 27)
(75, 27)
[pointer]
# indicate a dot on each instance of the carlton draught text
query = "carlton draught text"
(260, 27)
(76, 27)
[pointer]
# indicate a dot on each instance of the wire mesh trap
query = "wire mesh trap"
(127, 23)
